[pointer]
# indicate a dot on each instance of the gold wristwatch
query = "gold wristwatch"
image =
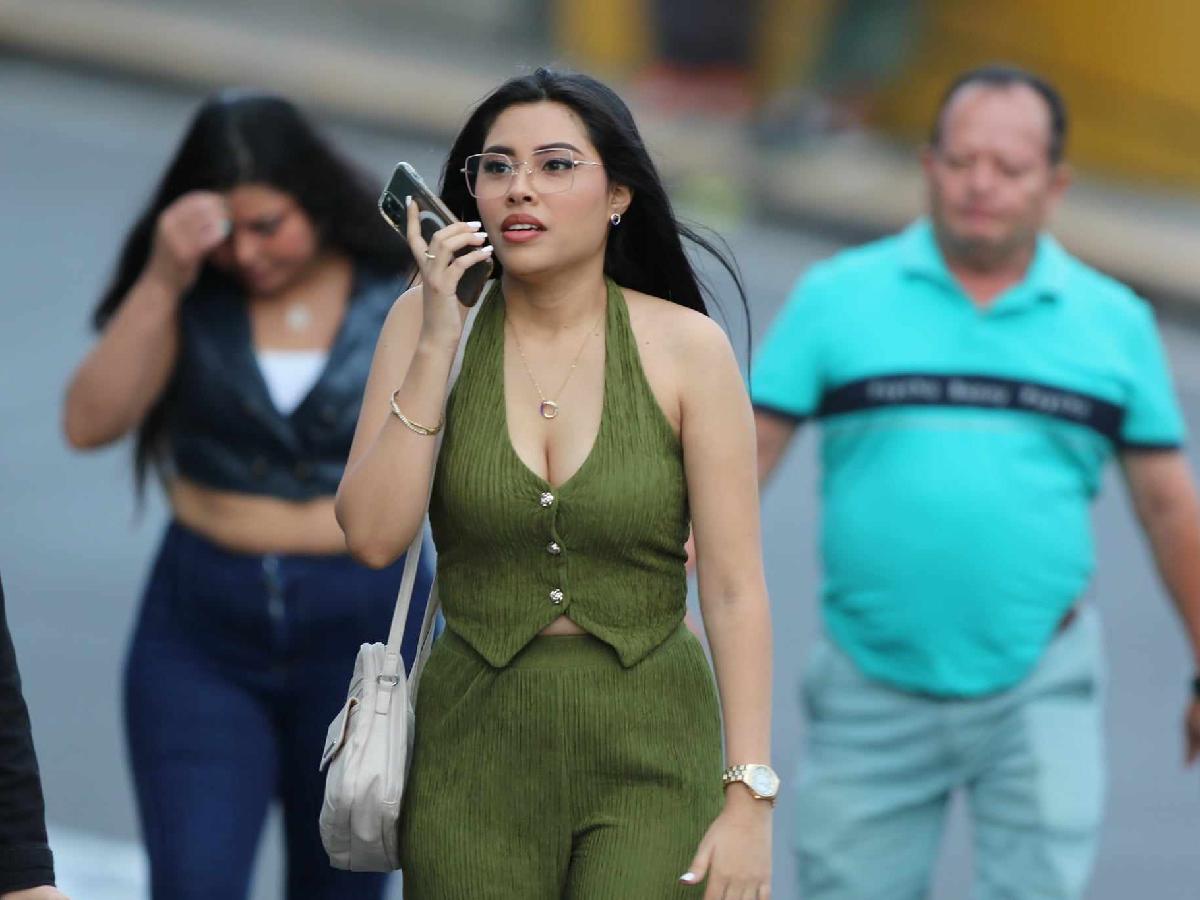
(761, 781)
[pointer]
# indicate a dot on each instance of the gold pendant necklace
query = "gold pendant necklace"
(548, 409)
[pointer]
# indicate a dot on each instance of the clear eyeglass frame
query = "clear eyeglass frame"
(543, 179)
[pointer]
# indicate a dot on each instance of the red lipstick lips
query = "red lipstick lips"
(520, 228)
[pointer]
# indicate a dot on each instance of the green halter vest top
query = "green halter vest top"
(605, 548)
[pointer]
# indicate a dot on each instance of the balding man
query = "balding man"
(972, 378)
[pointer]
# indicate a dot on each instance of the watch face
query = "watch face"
(763, 781)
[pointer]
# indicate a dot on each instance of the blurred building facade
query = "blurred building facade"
(1129, 70)
(518, 25)
(746, 137)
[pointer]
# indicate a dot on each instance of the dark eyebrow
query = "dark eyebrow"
(557, 145)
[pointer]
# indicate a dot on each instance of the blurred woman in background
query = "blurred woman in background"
(235, 341)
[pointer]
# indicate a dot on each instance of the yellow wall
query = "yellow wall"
(613, 36)
(1130, 72)
(1129, 69)
(604, 36)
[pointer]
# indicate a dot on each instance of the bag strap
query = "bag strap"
(392, 661)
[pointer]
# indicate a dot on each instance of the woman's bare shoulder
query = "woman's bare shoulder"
(687, 333)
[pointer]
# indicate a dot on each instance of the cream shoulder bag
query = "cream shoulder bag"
(369, 742)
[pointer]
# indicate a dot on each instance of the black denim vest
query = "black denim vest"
(224, 432)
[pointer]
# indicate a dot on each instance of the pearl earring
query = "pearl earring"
(615, 218)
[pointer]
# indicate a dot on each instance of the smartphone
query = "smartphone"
(405, 182)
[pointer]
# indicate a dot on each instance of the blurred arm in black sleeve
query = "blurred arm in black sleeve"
(25, 860)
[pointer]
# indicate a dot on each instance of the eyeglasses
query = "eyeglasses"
(550, 171)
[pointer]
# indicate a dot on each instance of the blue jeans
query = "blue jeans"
(882, 764)
(236, 668)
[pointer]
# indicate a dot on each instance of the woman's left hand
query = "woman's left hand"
(735, 853)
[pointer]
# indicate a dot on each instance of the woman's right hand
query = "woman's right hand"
(443, 313)
(187, 231)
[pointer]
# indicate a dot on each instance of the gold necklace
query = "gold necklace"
(549, 408)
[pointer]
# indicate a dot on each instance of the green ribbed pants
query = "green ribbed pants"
(561, 775)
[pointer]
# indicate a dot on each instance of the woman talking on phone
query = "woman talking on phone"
(236, 339)
(568, 738)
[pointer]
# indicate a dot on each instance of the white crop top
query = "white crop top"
(290, 375)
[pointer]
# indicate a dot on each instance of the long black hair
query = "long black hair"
(645, 252)
(242, 137)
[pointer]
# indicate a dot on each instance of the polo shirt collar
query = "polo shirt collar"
(921, 257)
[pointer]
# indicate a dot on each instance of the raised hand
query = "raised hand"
(187, 231)
(441, 271)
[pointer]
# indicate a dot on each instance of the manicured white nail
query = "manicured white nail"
(688, 877)
(482, 234)
(487, 249)
(408, 201)
(475, 224)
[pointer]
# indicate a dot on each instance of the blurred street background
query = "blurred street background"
(798, 136)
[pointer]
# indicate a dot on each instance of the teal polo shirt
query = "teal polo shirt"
(961, 449)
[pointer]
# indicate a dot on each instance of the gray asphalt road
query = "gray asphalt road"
(79, 154)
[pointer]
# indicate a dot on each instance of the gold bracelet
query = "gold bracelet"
(425, 430)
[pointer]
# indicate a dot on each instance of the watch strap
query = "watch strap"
(741, 774)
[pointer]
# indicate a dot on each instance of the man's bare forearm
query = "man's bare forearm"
(773, 433)
(1164, 496)
(1175, 540)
